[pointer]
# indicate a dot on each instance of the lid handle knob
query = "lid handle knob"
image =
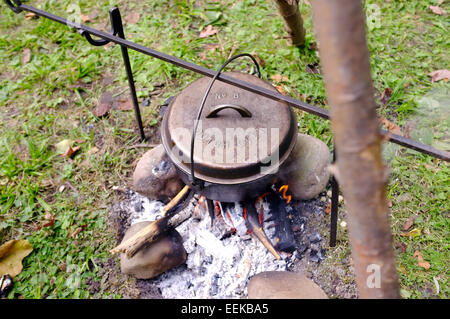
(240, 109)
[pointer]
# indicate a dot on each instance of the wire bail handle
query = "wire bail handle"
(194, 180)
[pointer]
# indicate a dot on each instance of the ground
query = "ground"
(51, 80)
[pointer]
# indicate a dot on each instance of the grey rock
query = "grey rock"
(283, 285)
(155, 176)
(150, 261)
(306, 170)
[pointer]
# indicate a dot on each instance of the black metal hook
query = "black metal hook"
(116, 25)
(15, 8)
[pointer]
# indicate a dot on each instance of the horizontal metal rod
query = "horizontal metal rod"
(397, 139)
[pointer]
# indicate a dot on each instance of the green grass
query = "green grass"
(51, 98)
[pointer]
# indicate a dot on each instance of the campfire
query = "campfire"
(224, 253)
(231, 191)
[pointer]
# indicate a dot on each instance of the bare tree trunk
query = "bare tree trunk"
(292, 20)
(339, 27)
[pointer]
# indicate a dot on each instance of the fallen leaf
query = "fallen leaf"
(125, 105)
(391, 127)
(85, 18)
(412, 233)
(70, 151)
(208, 31)
(403, 269)
(277, 78)
(104, 105)
(11, 255)
(26, 56)
(63, 146)
(50, 220)
(420, 261)
(386, 96)
(280, 89)
(30, 15)
(77, 231)
(409, 223)
(328, 209)
(133, 18)
(439, 75)
(436, 10)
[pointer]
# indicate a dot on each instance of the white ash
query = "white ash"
(218, 265)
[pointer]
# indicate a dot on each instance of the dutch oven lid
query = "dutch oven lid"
(241, 135)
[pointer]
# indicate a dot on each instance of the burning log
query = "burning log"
(253, 224)
(171, 219)
(278, 213)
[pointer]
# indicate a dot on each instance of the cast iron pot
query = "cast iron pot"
(228, 108)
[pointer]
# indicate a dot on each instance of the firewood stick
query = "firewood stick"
(176, 199)
(152, 231)
(156, 231)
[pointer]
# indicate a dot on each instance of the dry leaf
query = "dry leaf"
(436, 10)
(70, 151)
(30, 15)
(440, 75)
(403, 269)
(133, 18)
(420, 261)
(412, 233)
(277, 78)
(280, 89)
(85, 18)
(77, 231)
(391, 127)
(50, 220)
(409, 223)
(104, 105)
(62, 146)
(208, 31)
(11, 255)
(386, 96)
(125, 105)
(328, 209)
(26, 56)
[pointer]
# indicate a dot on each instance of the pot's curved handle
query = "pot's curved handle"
(240, 109)
(194, 181)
